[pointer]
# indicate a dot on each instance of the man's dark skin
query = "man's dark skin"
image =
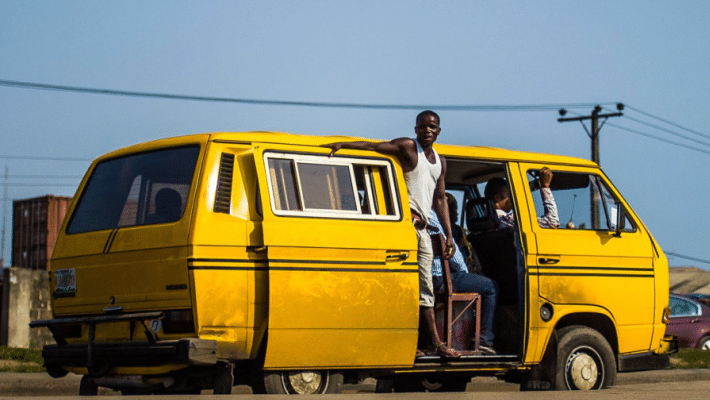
(427, 130)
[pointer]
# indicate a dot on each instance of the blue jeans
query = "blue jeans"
(467, 283)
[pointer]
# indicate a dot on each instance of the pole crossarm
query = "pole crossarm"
(594, 132)
(585, 117)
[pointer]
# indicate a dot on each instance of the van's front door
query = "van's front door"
(587, 264)
(343, 283)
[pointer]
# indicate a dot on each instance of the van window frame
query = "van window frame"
(387, 172)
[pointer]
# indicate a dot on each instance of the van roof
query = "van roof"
(451, 151)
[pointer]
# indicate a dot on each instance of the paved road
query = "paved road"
(685, 384)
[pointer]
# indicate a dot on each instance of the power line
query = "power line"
(687, 257)
(449, 107)
(648, 135)
(43, 158)
(667, 121)
(668, 131)
(44, 176)
(41, 184)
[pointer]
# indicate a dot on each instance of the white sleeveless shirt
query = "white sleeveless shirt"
(421, 182)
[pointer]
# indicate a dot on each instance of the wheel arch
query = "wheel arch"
(599, 322)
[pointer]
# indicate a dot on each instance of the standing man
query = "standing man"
(424, 172)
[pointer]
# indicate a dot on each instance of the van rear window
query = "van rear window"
(141, 189)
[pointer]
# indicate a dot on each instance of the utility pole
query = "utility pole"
(594, 134)
(4, 221)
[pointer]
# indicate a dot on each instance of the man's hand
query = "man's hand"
(545, 177)
(334, 147)
(449, 250)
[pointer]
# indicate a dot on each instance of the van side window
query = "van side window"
(313, 185)
(327, 187)
(583, 202)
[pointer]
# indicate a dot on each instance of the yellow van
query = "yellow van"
(212, 260)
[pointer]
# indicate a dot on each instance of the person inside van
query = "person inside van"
(498, 191)
(424, 172)
(459, 235)
(168, 206)
(464, 282)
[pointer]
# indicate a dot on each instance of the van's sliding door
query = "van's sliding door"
(343, 279)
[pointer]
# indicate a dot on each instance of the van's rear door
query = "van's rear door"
(124, 244)
(343, 278)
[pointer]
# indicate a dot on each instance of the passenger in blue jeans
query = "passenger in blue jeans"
(464, 282)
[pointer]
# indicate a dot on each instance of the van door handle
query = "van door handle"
(397, 257)
(548, 260)
(256, 249)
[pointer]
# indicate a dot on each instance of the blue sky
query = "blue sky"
(653, 56)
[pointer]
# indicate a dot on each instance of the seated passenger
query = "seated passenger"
(459, 236)
(464, 282)
(497, 190)
(168, 206)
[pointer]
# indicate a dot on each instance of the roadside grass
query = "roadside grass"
(690, 358)
(20, 360)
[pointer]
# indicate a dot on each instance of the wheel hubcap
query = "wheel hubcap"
(305, 382)
(584, 370)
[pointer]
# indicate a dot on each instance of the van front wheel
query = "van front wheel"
(303, 382)
(585, 360)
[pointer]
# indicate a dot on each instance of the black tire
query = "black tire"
(223, 379)
(384, 385)
(446, 385)
(87, 387)
(406, 384)
(704, 343)
(585, 360)
(303, 382)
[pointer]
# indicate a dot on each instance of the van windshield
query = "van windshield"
(140, 189)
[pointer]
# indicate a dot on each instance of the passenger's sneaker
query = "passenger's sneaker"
(487, 349)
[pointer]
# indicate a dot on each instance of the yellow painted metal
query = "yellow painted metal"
(330, 282)
(599, 272)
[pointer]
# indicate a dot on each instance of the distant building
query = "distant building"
(35, 225)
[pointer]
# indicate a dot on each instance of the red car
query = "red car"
(690, 322)
(699, 297)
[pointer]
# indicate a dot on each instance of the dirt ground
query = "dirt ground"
(40, 384)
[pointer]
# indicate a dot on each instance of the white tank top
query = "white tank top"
(421, 182)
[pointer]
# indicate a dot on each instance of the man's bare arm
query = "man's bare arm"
(404, 148)
(441, 208)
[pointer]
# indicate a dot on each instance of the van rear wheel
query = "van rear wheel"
(87, 387)
(303, 382)
(585, 360)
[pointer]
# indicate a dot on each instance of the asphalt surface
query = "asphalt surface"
(691, 383)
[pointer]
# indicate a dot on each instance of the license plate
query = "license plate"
(64, 283)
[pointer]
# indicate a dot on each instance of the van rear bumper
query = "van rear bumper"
(99, 358)
(191, 352)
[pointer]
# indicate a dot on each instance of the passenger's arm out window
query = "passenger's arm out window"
(583, 201)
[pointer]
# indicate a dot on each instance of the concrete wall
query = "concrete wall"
(25, 298)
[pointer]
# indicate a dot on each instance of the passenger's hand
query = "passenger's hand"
(545, 177)
(449, 251)
(334, 147)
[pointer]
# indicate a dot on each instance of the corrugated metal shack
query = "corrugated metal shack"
(35, 226)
